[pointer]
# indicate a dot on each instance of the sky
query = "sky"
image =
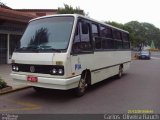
(121, 11)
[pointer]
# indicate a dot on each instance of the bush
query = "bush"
(2, 84)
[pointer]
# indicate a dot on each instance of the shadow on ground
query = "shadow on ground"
(62, 95)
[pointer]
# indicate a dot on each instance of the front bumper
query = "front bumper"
(48, 82)
(144, 57)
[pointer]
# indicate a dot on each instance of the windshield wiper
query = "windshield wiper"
(39, 48)
(32, 48)
(49, 49)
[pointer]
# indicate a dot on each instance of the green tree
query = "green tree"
(140, 33)
(68, 9)
(146, 32)
(115, 24)
(152, 45)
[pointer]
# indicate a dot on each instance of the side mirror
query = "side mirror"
(85, 28)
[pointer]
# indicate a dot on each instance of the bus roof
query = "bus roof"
(78, 15)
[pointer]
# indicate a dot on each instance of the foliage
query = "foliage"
(152, 45)
(41, 36)
(140, 33)
(2, 84)
(70, 10)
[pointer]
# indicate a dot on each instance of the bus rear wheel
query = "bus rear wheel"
(119, 75)
(82, 86)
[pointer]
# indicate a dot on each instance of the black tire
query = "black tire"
(82, 86)
(119, 75)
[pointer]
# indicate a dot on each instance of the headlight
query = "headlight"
(15, 68)
(60, 71)
(57, 70)
(54, 71)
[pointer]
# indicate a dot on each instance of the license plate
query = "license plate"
(32, 78)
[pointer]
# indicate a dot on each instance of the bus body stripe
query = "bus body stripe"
(109, 66)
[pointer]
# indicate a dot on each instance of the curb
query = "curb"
(15, 90)
(134, 58)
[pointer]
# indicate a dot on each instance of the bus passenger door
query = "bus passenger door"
(82, 48)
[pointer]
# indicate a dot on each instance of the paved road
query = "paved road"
(137, 90)
(155, 55)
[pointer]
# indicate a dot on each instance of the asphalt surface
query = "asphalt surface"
(138, 89)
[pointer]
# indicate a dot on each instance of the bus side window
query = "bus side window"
(76, 42)
(107, 41)
(110, 41)
(85, 36)
(117, 39)
(95, 35)
(126, 43)
(82, 38)
(84, 27)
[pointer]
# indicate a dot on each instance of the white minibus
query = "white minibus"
(70, 51)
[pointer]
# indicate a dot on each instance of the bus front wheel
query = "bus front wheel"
(82, 86)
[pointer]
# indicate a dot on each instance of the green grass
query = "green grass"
(2, 84)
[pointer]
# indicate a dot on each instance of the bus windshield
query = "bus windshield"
(47, 34)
